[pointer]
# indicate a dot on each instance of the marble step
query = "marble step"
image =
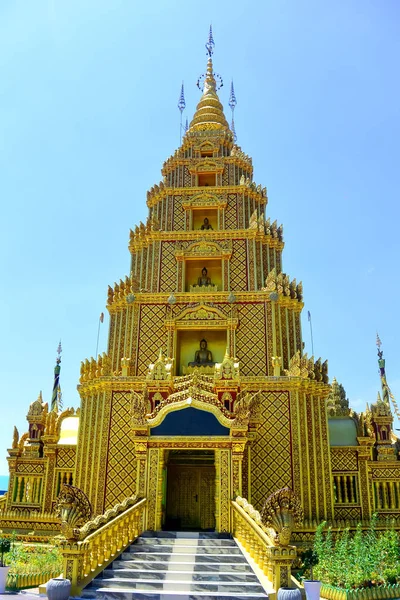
(144, 565)
(191, 567)
(195, 542)
(108, 594)
(163, 575)
(170, 557)
(176, 585)
(192, 549)
(198, 535)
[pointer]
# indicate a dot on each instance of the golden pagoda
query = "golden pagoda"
(205, 394)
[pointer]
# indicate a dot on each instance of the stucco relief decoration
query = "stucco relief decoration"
(228, 369)
(337, 404)
(192, 390)
(15, 439)
(204, 200)
(257, 222)
(247, 406)
(204, 249)
(201, 312)
(207, 167)
(280, 283)
(139, 408)
(282, 512)
(161, 370)
(306, 368)
(37, 408)
(74, 510)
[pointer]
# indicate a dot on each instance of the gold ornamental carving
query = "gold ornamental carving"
(282, 512)
(74, 510)
(205, 249)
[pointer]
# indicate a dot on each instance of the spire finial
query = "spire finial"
(56, 384)
(232, 97)
(181, 107)
(182, 102)
(210, 43)
(232, 104)
(209, 112)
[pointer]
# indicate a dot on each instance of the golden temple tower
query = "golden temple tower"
(204, 392)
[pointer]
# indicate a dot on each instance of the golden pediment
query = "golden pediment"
(201, 313)
(204, 249)
(207, 166)
(205, 200)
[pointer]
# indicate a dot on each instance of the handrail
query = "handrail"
(3, 500)
(86, 556)
(274, 560)
(15, 515)
(20, 581)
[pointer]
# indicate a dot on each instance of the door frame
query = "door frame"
(155, 464)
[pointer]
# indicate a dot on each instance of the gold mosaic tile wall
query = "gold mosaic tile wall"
(270, 466)
(121, 461)
(250, 340)
(152, 336)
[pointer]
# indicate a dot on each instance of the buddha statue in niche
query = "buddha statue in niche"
(202, 357)
(206, 224)
(204, 278)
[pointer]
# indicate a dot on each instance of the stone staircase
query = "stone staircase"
(183, 565)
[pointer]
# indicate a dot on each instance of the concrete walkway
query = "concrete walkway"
(32, 594)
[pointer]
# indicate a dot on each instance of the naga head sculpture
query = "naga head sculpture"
(282, 512)
(74, 510)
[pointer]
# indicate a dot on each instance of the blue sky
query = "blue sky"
(88, 95)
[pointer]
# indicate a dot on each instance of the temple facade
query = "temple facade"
(205, 393)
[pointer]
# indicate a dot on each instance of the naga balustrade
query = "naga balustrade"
(88, 550)
(275, 560)
(3, 501)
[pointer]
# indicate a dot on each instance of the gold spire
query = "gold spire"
(209, 112)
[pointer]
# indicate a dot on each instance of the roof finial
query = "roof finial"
(181, 107)
(182, 102)
(232, 98)
(232, 104)
(56, 384)
(210, 43)
(209, 112)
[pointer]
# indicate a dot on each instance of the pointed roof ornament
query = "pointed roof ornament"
(232, 97)
(56, 385)
(182, 101)
(209, 112)
(232, 104)
(181, 106)
(210, 43)
(386, 393)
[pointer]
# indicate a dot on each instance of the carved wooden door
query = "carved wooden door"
(191, 496)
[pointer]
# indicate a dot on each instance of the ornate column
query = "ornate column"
(50, 447)
(141, 459)
(222, 490)
(364, 455)
(154, 481)
(281, 559)
(238, 447)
